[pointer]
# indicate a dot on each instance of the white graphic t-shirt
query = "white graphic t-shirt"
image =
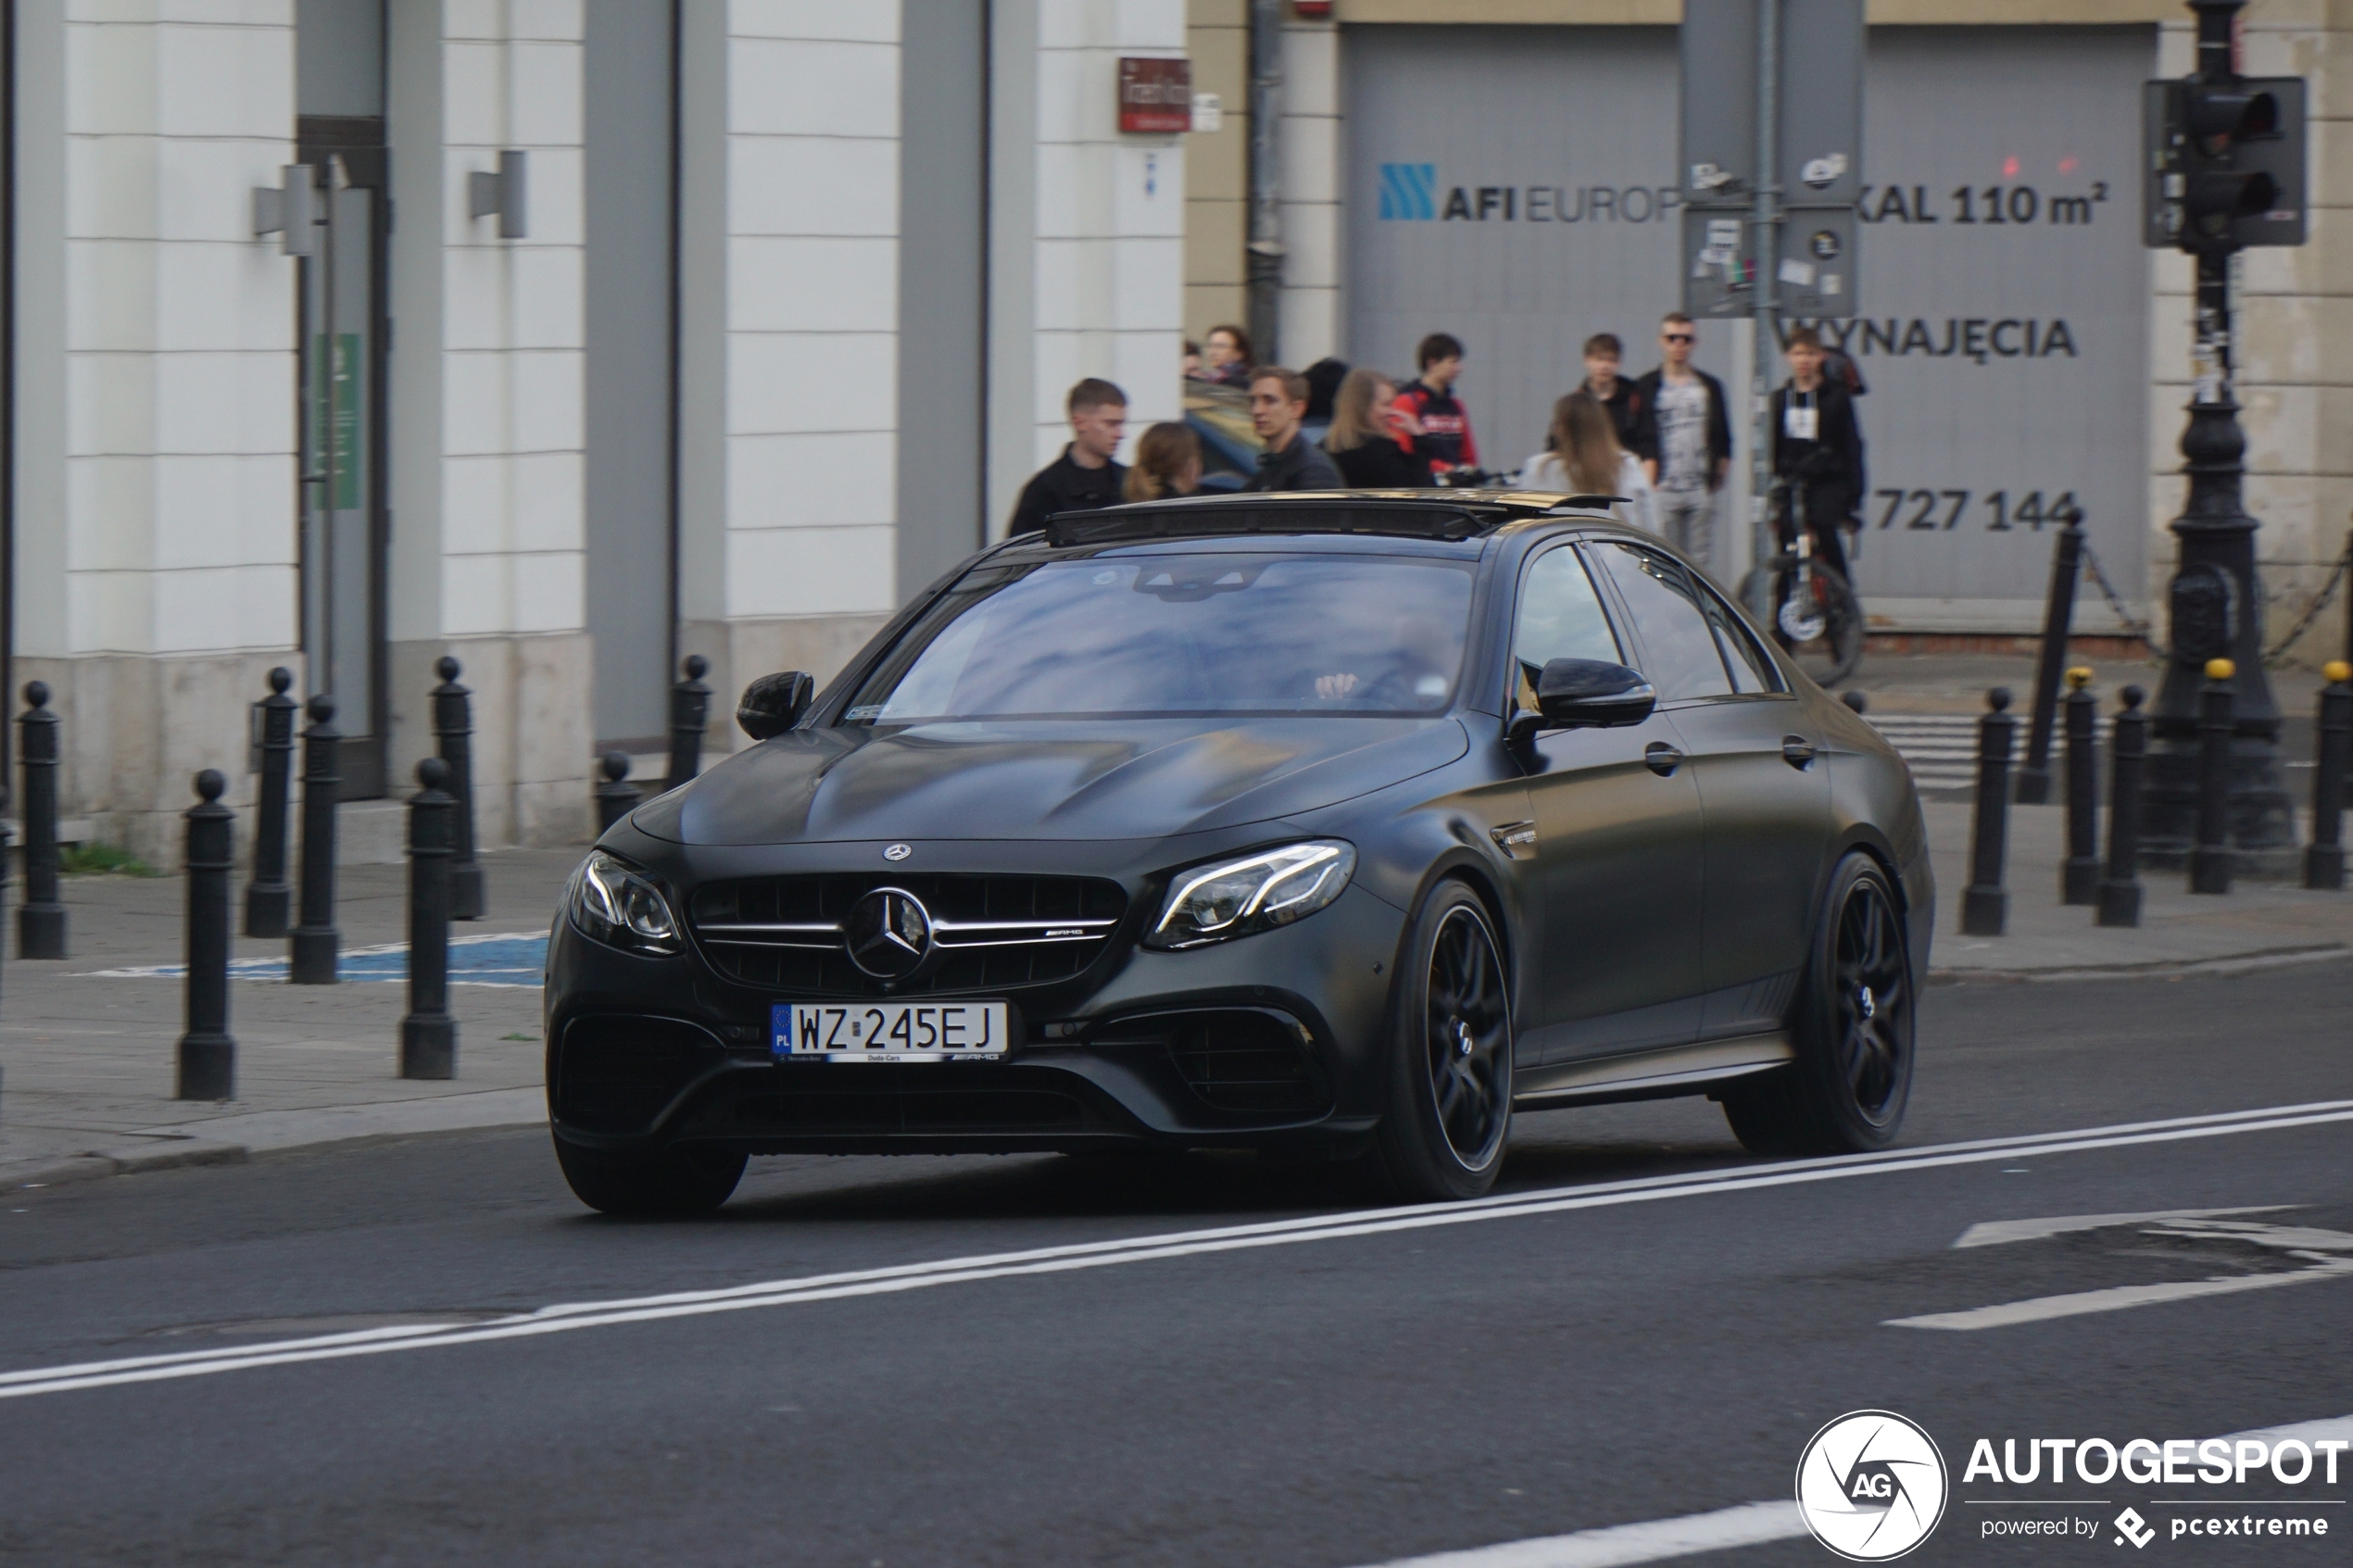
(1682, 434)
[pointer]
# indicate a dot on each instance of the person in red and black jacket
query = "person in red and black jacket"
(1446, 432)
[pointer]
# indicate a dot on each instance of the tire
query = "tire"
(1853, 1026)
(1831, 656)
(1450, 1082)
(664, 1183)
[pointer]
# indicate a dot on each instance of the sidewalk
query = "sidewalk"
(86, 1059)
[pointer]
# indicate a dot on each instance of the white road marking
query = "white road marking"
(2119, 1298)
(565, 1317)
(1993, 1232)
(1749, 1524)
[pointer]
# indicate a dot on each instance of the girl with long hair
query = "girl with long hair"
(1370, 441)
(1585, 459)
(1167, 463)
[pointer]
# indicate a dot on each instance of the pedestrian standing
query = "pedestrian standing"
(1584, 458)
(1684, 436)
(1430, 399)
(1226, 356)
(1372, 442)
(1167, 463)
(1818, 450)
(1604, 355)
(1277, 404)
(1085, 476)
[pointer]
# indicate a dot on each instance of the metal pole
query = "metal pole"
(1263, 256)
(1984, 906)
(428, 1034)
(1764, 218)
(453, 725)
(268, 899)
(2324, 856)
(690, 714)
(41, 924)
(2080, 876)
(313, 945)
(207, 1057)
(2127, 744)
(2211, 858)
(2058, 611)
(615, 797)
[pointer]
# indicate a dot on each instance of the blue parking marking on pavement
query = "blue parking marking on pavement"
(506, 958)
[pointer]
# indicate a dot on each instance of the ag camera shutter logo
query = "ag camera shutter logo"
(1871, 1486)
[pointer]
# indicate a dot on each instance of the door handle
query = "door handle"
(1796, 750)
(1661, 758)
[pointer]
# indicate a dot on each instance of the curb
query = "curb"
(2238, 963)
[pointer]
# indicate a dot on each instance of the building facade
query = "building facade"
(1505, 170)
(568, 337)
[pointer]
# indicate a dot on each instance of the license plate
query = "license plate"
(888, 1031)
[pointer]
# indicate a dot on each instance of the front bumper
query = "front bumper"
(1273, 1040)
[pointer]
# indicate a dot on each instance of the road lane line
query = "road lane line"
(2118, 1298)
(1994, 1233)
(1091, 1255)
(1751, 1524)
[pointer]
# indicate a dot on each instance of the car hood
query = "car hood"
(1055, 780)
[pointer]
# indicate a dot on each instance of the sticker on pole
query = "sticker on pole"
(1871, 1486)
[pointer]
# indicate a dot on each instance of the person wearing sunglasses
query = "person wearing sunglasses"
(1683, 434)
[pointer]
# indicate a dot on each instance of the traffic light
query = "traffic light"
(2225, 163)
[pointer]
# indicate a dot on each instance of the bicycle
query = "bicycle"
(1810, 607)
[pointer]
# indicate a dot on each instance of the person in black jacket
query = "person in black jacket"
(1621, 398)
(1372, 439)
(1817, 447)
(1085, 476)
(1683, 434)
(1277, 404)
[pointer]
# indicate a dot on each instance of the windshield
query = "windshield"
(1180, 636)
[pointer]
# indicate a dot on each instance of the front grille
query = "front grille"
(616, 1075)
(1234, 1058)
(995, 933)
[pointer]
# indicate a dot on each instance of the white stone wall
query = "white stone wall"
(1108, 282)
(1312, 220)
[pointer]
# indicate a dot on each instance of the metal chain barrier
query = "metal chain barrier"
(2272, 655)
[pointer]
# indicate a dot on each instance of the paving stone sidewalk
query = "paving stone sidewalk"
(86, 1060)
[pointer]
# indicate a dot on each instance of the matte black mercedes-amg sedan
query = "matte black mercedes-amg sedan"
(1337, 824)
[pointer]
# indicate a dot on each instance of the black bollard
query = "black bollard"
(268, 899)
(2128, 744)
(1856, 700)
(1985, 906)
(2079, 873)
(428, 1034)
(314, 944)
(453, 724)
(690, 712)
(208, 1056)
(41, 924)
(616, 798)
(2059, 611)
(2210, 855)
(2324, 856)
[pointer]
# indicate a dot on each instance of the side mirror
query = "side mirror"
(775, 703)
(1573, 692)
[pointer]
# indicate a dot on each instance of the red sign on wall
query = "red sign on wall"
(1155, 96)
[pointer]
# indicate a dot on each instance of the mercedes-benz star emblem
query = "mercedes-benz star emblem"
(899, 852)
(888, 933)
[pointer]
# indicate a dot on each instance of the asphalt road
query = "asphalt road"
(1638, 1332)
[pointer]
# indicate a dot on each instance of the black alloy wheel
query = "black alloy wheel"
(1451, 1095)
(1853, 1029)
(661, 1183)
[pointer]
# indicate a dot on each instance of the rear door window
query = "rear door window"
(1677, 643)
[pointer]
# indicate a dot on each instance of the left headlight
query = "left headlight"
(1254, 893)
(622, 908)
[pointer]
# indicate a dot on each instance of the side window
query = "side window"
(1560, 616)
(1683, 661)
(1752, 669)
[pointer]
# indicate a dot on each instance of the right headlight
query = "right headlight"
(622, 908)
(1252, 893)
